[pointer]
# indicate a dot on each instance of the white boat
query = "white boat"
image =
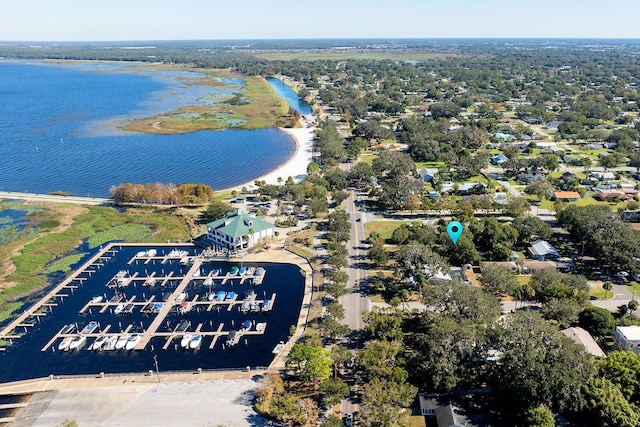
(231, 338)
(278, 348)
(97, 299)
(195, 342)
(119, 309)
(64, 344)
(197, 273)
(186, 339)
(178, 253)
(184, 260)
(122, 341)
(208, 281)
(110, 343)
(181, 297)
(91, 327)
(260, 326)
(151, 252)
(251, 271)
(149, 282)
(246, 306)
(98, 343)
(77, 342)
(132, 341)
(141, 254)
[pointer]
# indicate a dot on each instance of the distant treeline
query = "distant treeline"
(162, 194)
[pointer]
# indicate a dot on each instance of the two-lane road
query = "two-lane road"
(357, 301)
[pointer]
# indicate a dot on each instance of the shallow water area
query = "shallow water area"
(59, 125)
(25, 358)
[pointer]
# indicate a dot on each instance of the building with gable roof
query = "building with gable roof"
(238, 231)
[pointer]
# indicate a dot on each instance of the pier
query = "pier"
(46, 302)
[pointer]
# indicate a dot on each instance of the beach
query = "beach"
(296, 165)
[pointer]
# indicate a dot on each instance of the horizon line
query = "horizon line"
(321, 39)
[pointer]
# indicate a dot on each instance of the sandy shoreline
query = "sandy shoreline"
(296, 165)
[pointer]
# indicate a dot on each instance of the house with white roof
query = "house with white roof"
(628, 338)
(542, 250)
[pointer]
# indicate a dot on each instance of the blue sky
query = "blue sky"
(88, 20)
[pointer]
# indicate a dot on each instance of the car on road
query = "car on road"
(358, 219)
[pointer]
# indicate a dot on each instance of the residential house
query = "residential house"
(584, 338)
(542, 250)
(503, 137)
(612, 195)
(440, 409)
(528, 177)
(628, 338)
(499, 159)
(471, 188)
(427, 175)
(552, 125)
(238, 231)
(500, 198)
(566, 196)
(510, 265)
(606, 177)
(528, 267)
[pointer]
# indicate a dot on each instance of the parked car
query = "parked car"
(348, 420)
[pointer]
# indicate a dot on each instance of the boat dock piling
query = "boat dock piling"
(164, 311)
(55, 292)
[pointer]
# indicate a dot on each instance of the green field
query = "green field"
(385, 228)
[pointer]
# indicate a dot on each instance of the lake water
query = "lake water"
(24, 359)
(58, 131)
(284, 91)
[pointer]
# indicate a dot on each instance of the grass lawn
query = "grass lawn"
(429, 165)
(599, 293)
(417, 421)
(367, 157)
(633, 286)
(385, 228)
(523, 279)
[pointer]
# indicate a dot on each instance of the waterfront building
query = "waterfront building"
(238, 231)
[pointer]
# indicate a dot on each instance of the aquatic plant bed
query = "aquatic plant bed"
(130, 305)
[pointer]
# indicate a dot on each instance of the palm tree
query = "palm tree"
(250, 237)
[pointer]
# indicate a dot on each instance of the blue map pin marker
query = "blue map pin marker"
(455, 231)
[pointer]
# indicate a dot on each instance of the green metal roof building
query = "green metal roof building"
(238, 231)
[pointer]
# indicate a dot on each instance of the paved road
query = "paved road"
(33, 197)
(356, 302)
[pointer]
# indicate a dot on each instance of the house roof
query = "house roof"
(566, 195)
(534, 265)
(542, 248)
(585, 339)
(630, 333)
(238, 225)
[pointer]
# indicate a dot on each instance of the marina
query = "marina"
(86, 320)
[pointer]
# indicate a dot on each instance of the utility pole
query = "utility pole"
(155, 360)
